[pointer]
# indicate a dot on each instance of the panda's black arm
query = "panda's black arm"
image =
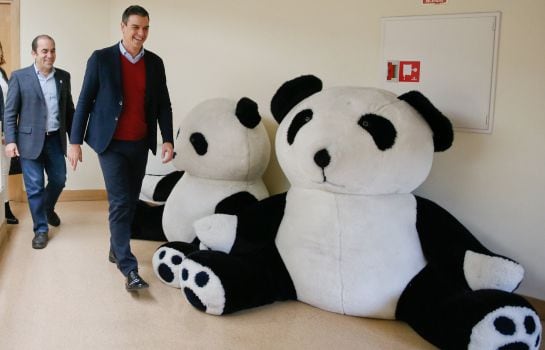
(443, 238)
(257, 224)
(165, 185)
(235, 202)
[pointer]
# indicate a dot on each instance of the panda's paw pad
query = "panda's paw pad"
(202, 287)
(507, 328)
(491, 272)
(166, 265)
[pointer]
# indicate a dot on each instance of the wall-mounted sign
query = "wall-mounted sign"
(403, 71)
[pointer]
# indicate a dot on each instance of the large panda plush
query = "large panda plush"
(223, 148)
(350, 237)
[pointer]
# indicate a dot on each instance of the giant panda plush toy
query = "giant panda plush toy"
(350, 237)
(223, 148)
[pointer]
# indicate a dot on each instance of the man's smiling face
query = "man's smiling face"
(135, 33)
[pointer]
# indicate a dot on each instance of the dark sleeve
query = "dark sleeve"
(86, 99)
(3, 72)
(69, 105)
(2, 108)
(165, 109)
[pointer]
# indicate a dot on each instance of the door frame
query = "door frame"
(13, 58)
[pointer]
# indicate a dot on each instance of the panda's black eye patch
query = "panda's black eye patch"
(199, 143)
(297, 123)
(380, 128)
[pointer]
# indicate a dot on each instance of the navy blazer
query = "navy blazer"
(101, 100)
(25, 112)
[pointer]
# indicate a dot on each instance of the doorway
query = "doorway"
(9, 36)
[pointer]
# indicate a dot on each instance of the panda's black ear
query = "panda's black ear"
(291, 93)
(440, 125)
(247, 113)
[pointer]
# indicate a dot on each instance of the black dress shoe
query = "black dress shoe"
(53, 219)
(12, 221)
(111, 257)
(40, 240)
(135, 282)
(10, 218)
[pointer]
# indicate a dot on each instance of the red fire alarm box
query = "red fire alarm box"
(393, 71)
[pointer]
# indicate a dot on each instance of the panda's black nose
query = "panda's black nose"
(322, 158)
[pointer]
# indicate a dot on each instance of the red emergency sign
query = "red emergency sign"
(409, 71)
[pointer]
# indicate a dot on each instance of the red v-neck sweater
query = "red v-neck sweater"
(132, 125)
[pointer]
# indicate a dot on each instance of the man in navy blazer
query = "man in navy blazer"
(37, 116)
(123, 98)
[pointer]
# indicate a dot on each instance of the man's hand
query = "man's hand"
(167, 152)
(74, 155)
(11, 150)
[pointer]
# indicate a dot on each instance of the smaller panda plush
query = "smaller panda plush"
(159, 180)
(223, 149)
(349, 236)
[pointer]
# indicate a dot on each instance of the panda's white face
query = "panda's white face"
(355, 141)
(212, 143)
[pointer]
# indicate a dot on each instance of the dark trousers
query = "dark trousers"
(42, 198)
(123, 167)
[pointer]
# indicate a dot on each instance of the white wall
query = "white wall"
(494, 184)
(78, 27)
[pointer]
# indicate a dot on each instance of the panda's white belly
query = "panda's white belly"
(350, 254)
(193, 198)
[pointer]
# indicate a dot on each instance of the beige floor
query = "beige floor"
(68, 296)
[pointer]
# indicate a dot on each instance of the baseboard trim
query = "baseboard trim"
(83, 195)
(72, 195)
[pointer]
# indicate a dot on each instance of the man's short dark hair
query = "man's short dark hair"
(35, 41)
(134, 10)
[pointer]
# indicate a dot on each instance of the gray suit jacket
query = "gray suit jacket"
(25, 112)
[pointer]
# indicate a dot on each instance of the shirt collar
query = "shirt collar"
(126, 53)
(52, 73)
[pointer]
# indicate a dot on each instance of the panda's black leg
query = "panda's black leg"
(147, 222)
(454, 317)
(167, 259)
(219, 283)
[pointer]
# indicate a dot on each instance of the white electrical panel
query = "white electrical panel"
(449, 58)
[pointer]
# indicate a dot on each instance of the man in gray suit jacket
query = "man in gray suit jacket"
(38, 114)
